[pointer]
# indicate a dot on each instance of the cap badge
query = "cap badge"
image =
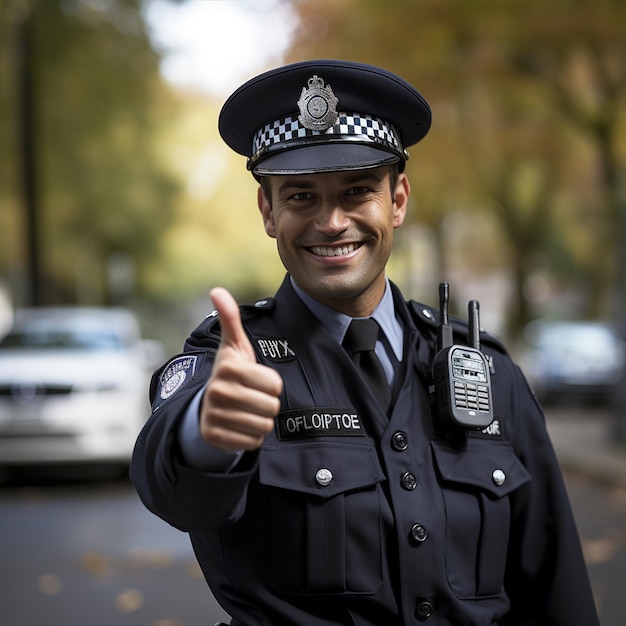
(318, 105)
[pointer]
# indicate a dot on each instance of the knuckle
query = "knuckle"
(217, 391)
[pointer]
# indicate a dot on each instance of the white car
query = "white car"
(73, 387)
(573, 359)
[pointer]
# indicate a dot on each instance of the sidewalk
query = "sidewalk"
(583, 444)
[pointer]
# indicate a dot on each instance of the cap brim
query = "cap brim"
(316, 159)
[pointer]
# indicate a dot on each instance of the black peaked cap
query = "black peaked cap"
(359, 88)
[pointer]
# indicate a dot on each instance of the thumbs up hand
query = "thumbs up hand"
(242, 396)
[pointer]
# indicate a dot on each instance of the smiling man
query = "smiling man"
(334, 232)
(303, 441)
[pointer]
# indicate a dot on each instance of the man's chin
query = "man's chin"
(338, 288)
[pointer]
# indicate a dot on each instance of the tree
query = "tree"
(583, 71)
(516, 100)
(104, 195)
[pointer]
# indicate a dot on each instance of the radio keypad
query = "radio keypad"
(471, 396)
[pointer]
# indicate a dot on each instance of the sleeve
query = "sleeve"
(194, 450)
(186, 497)
(547, 579)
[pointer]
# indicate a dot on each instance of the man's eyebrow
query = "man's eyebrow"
(360, 177)
(296, 183)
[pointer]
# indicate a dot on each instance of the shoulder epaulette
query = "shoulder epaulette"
(210, 324)
(427, 316)
(265, 305)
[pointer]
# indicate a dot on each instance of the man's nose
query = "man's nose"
(332, 219)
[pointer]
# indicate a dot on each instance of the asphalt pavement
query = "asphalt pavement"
(585, 442)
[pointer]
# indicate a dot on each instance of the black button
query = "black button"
(418, 533)
(399, 441)
(424, 610)
(409, 482)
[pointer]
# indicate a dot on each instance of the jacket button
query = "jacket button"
(424, 610)
(399, 441)
(418, 533)
(324, 476)
(498, 477)
(408, 481)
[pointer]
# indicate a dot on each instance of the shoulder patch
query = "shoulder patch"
(175, 374)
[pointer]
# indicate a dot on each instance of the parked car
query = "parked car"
(573, 360)
(73, 387)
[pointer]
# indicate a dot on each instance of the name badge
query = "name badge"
(322, 422)
(275, 349)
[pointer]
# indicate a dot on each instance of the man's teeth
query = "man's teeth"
(335, 251)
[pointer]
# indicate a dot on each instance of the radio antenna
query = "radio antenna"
(444, 331)
(474, 323)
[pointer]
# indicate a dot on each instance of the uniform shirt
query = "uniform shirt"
(202, 455)
(348, 515)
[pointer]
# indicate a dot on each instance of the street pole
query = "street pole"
(619, 397)
(28, 152)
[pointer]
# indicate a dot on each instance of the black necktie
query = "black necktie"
(360, 341)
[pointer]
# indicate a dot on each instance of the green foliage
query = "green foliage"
(101, 188)
(522, 172)
(529, 105)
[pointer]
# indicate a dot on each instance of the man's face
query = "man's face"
(334, 232)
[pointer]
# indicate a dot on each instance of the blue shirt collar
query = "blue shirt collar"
(337, 323)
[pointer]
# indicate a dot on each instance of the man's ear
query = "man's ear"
(265, 207)
(401, 196)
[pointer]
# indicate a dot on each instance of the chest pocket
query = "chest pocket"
(324, 504)
(477, 483)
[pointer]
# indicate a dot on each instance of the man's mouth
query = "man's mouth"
(334, 250)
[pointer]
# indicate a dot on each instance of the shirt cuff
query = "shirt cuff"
(197, 453)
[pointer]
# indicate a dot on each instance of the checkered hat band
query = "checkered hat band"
(289, 128)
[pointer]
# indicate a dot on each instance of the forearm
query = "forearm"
(185, 497)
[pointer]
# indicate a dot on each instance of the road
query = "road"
(89, 554)
(600, 512)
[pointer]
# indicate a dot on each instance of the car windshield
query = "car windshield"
(585, 341)
(44, 337)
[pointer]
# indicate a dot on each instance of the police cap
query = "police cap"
(323, 116)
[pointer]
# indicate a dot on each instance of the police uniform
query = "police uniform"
(347, 514)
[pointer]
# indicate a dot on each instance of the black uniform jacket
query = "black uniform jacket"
(348, 516)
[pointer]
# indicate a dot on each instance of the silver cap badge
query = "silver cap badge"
(318, 105)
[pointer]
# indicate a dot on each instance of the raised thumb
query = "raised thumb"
(233, 333)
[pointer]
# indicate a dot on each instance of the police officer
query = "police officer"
(305, 453)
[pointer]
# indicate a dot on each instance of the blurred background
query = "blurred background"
(115, 187)
(117, 192)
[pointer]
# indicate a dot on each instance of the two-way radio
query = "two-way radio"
(461, 373)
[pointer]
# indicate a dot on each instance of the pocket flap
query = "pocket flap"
(491, 466)
(322, 468)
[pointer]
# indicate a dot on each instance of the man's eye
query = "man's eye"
(356, 191)
(301, 195)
